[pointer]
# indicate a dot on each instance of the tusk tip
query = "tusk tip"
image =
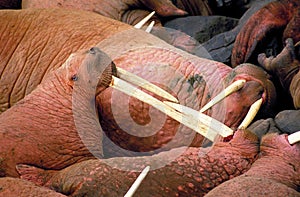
(294, 138)
(140, 24)
(150, 27)
(137, 182)
(235, 86)
(251, 114)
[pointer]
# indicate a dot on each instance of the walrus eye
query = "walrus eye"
(74, 78)
(92, 50)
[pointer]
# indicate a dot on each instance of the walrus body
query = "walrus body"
(275, 173)
(195, 172)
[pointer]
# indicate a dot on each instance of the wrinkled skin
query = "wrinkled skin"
(280, 18)
(195, 172)
(11, 187)
(31, 58)
(40, 130)
(285, 67)
(275, 173)
(194, 81)
(129, 11)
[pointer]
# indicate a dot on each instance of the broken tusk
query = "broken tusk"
(136, 80)
(294, 138)
(251, 114)
(235, 86)
(137, 182)
(150, 27)
(140, 24)
(187, 120)
(211, 123)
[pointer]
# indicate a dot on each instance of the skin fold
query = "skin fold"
(275, 173)
(193, 80)
(22, 188)
(195, 172)
(129, 11)
(295, 91)
(280, 18)
(40, 130)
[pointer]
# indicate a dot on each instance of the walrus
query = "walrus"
(40, 129)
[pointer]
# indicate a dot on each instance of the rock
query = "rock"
(288, 121)
(202, 28)
(262, 127)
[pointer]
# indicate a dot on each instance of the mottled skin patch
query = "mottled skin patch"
(21, 188)
(195, 172)
(275, 173)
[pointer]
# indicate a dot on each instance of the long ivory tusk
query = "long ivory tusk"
(215, 125)
(150, 27)
(251, 114)
(187, 120)
(294, 138)
(140, 24)
(235, 86)
(136, 80)
(137, 182)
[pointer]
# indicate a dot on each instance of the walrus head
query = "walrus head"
(257, 86)
(93, 67)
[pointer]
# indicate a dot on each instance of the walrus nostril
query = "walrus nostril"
(114, 69)
(93, 50)
(262, 91)
(74, 78)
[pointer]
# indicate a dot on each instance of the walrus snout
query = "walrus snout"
(103, 66)
(93, 50)
(251, 72)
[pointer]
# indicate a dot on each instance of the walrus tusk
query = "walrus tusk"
(294, 138)
(150, 27)
(136, 80)
(187, 120)
(235, 86)
(140, 24)
(214, 125)
(251, 114)
(137, 182)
